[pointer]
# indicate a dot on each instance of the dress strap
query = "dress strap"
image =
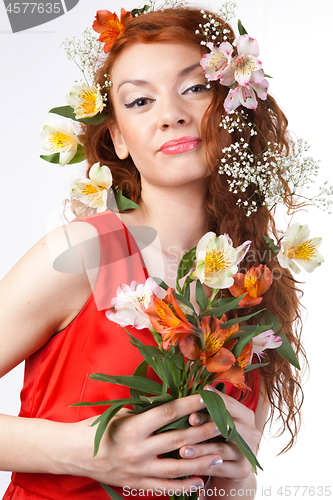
(121, 261)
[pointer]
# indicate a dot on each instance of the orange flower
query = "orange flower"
(254, 283)
(108, 24)
(214, 357)
(235, 375)
(170, 323)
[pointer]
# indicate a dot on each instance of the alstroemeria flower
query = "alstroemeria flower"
(86, 101)
(130, 304)
(216, 63)
(93, 191)
(246, 62)
(245, 95)
(59, 138)
(214, 357)
(265, 340)
(298, 248)
(217, 260)
(254, 283)
(170, 322)
(234, 375)
(110, 27)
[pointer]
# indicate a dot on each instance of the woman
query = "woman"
(159, 95)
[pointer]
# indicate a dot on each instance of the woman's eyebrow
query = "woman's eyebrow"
(183, 72)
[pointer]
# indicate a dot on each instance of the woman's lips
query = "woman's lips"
(176, 146)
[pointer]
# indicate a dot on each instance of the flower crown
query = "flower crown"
(237, 67)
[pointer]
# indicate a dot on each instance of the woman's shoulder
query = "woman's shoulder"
(45, 290)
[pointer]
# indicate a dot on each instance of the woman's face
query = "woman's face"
(159, 96)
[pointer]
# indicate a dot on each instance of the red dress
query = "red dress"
(56, 376)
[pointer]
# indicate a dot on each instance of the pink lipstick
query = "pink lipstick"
(181, 145)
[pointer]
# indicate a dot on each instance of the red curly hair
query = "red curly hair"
(179, 25)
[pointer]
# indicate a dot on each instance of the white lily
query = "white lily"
(217, 260)
(93, 191)
(298, 248)
(131, 302)
(59, 138)
(86, 101)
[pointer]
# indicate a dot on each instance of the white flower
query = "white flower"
(93, 191)
(59, 138)
(217, 62)
(265, 340)
(86, 101)
(131, 302)
(298, 248)
(217, 260)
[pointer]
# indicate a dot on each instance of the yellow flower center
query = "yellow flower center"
(58, 141)
(89, 189)
(250, 282)
(305, 251)
(213, 344)
(216, 261)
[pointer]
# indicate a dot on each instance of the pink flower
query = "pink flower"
(216, 64)
(245, 96)
(130, 304)
(265, 340)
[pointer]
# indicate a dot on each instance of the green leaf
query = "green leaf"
(233, 321)
(217, 410)
(241, 29)
(185, 301)
(112, 494)
(161, 283)
(127, 401)
(239, 346)
(271, 319)
(104, 420)
(68, 112)
(253, 367)
(179, 361)
(271, 245)
(131, 381)
(185, 265)
(140, 371)
(138, 12)
(200, 296)
(287, 352)
(124, 203)
(55, 158)
(181, 423)
(247, 452)
(226, 305)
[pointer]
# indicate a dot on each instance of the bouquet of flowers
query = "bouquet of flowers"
(209, 342)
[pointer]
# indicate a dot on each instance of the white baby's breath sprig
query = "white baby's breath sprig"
(86, 52)
(213, 30)
(272, 175)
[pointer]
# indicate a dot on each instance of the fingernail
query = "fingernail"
(197, 486)
(198, 419)
(189, 452)
(209, 388)
(216, 462)
(202, 402)
(217, 431)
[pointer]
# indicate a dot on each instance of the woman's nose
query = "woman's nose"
(173, 113)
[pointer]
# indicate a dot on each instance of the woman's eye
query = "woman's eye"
(196, 89)
(139, 102)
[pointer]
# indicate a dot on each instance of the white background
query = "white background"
(294, 38)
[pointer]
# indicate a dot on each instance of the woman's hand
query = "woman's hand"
(231, 463)
(130, 453)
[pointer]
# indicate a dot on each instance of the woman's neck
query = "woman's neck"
(177, 214)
